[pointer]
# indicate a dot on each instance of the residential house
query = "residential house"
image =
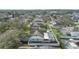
(66, 30)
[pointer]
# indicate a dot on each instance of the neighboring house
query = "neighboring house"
(25, 20)
(76, 15)
(70, 41)
(2, 15)
(67, 30)
(36, 33)
(53, 23)
(36, 24)
(74, 34)
(34, 27)
(38, 20)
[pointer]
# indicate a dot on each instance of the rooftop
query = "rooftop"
(69, 37)
(36, 38)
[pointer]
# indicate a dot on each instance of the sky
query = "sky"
(39, 4)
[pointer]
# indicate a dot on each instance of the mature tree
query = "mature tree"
(9, 39)
(67, 21)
